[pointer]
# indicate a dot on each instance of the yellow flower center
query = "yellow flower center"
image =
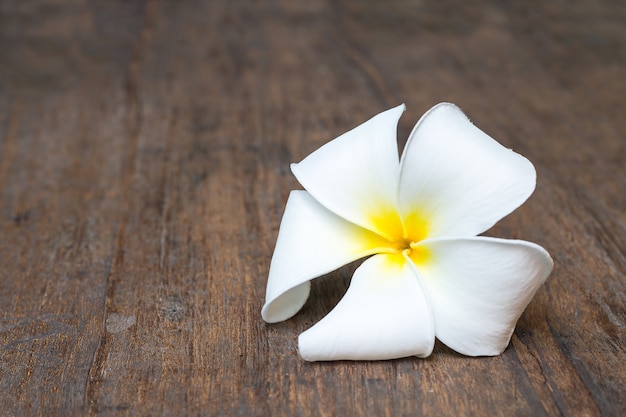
(402, 236)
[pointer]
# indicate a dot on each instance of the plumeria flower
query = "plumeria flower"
(416, 220)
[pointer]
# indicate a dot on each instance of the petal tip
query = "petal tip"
(286, 304)
(294, 168)
(305, 350)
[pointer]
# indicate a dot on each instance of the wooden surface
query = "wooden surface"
(144, 166)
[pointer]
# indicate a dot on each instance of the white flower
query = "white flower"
(427, 274)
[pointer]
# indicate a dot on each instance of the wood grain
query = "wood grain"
(144, 167)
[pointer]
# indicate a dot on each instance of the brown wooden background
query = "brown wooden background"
(144, 153)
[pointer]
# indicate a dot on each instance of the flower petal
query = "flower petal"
(356, 175)
(384, 315)
(311, 242)
(457, 178)
(479, 287)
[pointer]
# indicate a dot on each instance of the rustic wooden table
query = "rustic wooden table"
(144, 167)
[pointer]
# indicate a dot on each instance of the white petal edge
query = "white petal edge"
(356, 174)
(384, 315)
(457, 177)
(311, 242)
(478, 288)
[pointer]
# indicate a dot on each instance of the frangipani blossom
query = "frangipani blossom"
(416, 219)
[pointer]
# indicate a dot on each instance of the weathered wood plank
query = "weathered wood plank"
(144, 152)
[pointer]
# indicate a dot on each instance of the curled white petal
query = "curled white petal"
(356, 175)
(311, 242)
(384, 315)
(457, 177)
(479, 287)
